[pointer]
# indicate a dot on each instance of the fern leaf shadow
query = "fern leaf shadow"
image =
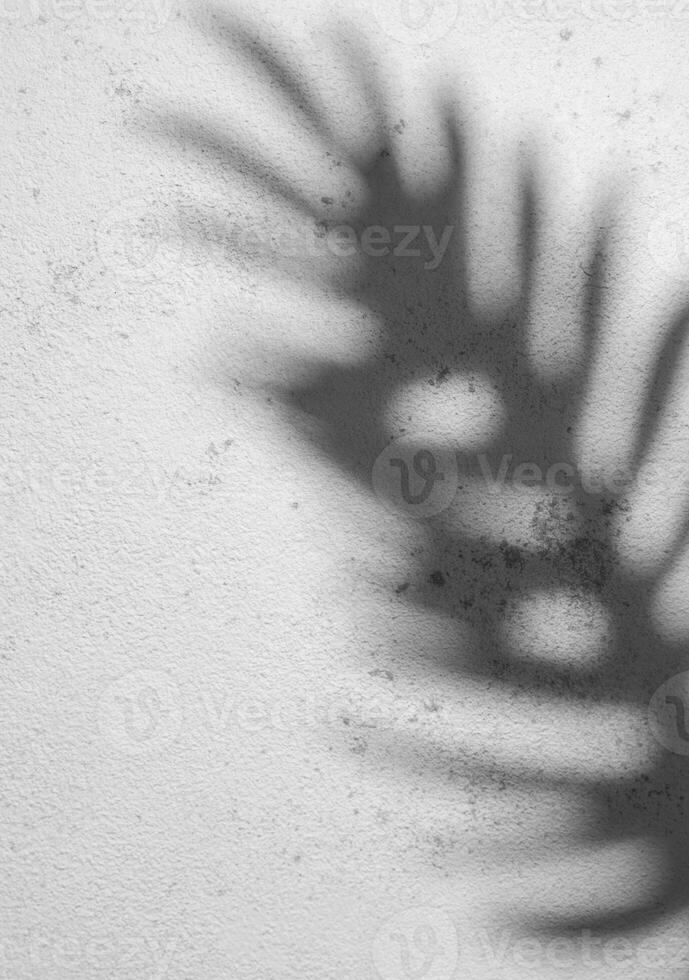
(429, 330)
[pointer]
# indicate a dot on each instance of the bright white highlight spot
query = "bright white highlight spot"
(564, 628)
(463, 411)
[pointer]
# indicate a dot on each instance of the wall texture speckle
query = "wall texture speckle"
(223, 756)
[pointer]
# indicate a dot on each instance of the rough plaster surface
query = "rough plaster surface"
(209, 674)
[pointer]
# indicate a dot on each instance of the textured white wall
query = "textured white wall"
(199, 611)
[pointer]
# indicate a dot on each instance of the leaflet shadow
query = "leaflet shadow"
(427, 332)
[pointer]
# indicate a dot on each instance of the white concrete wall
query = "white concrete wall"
(171, 538)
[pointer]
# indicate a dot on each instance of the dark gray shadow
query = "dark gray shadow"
(427, 328)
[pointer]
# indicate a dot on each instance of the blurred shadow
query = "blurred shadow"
(427, 330)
